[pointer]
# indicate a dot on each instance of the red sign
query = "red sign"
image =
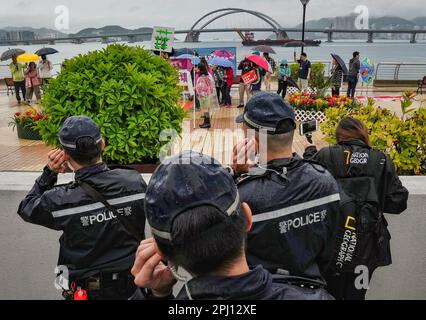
(249, 77)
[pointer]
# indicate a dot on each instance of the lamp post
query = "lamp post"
(304, 3)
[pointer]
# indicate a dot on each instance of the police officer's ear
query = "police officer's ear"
(249, 216)
(103, 144)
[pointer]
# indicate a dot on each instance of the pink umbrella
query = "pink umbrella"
(223, 54)
(260, 61)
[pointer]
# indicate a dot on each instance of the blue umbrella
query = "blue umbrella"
(194, 59)
(221, 62)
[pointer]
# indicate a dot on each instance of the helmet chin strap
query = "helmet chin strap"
(70, 166)
(183, 278)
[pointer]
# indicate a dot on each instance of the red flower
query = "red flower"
(17, 114)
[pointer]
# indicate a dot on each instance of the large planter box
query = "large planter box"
(303, 115)
(27, 133)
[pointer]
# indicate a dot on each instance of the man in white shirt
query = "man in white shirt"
(45, 68)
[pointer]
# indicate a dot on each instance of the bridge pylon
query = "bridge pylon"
(193, 36)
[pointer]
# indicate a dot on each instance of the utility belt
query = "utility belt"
(104, 285)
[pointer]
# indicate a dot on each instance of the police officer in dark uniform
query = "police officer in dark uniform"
(101, 215)
(294, 201)
(199, 225)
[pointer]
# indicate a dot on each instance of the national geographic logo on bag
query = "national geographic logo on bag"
(348, 245)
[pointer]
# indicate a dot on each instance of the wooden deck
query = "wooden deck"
(218, 142)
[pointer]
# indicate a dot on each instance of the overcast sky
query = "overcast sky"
(183, 13)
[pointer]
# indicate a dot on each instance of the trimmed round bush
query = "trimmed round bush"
(130, 93)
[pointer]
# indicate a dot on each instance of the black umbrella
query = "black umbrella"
(11, 53)
(292, 83)
(46, 51)
(340, 62)
(263, 48)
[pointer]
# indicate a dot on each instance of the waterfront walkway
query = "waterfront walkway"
(26, 155)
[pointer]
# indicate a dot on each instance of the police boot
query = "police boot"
(206, 124)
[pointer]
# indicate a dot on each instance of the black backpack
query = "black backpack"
(362, 237)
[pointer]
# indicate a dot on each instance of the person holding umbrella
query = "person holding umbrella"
(244, 89)
(219, 80)
(338, 70)
(32, 82)
(205, 88)
(269, 75)
(284, 72)
(44, 68)
(261, 66)
(336, 78)
(17, 71)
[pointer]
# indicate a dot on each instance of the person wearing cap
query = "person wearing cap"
(97, 246)
(284, 72)
(269, 75)
(199, 228)
(294, 201)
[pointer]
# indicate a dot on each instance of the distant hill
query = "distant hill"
(110, 30)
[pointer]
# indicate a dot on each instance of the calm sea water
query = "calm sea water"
(379, 51)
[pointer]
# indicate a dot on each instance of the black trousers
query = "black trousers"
(335, 91)
(352, 82)
(342, 286)
(219, 93)
(20, 85)
(227, 95)
(282, 88)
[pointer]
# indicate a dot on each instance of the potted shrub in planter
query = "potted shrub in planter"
(403, 138)
(26, 124)
(310, 106)
(130, 93)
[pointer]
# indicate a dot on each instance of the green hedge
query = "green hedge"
(403, 138)
(131, 94)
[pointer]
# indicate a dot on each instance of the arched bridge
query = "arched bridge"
(201, 24)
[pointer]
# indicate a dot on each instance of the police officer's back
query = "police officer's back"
(96, 250)
(294, 202)
(199, 225)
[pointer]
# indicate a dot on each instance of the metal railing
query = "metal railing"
(385, 71)
(395, 71)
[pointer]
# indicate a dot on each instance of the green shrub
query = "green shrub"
(404, 139)
(318, 82)
(131, 94)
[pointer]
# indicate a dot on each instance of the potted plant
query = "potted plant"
(130, 93)
(403, 138)
(26, 123)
